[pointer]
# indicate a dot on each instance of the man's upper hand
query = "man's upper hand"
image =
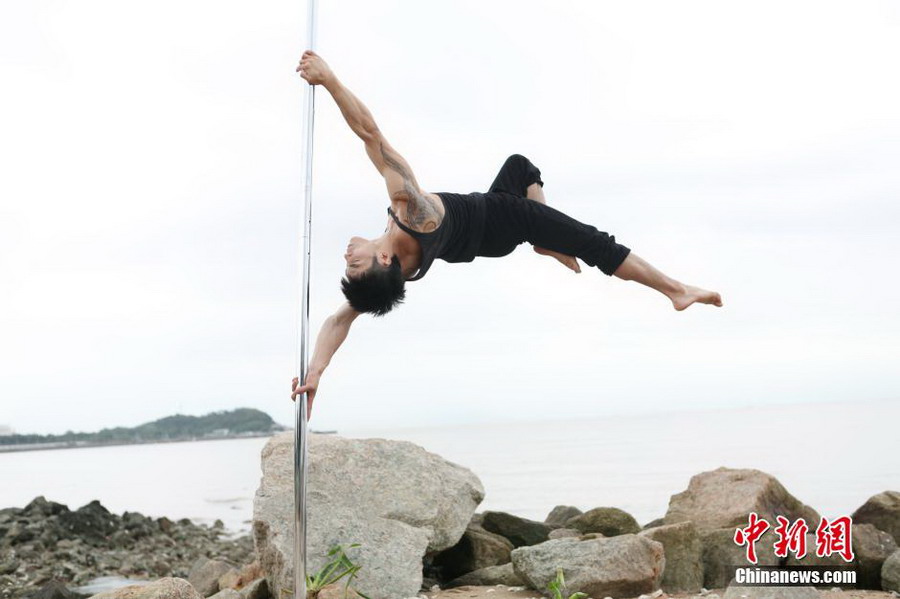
(315, 70)
(312, 383)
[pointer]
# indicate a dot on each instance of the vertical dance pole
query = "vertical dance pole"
(301, 453)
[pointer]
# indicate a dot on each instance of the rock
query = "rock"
(881, 511)
(721, 554)
(758, 592)
(621, 566)
(54, 589)
(490, 576)
(395, 499)
(336, 591)
(591, 535)
(562, 533)
(559, 515)
(476, 549)
(724, 497)
(92, 522)
(205, 574)
(890, 573)
(608, 521)
(40, 507)
(519, 531)
(257, 589)
(654, 523)
(871, 548)
(226, 594)
(164, 588)
(231, 579)
(684, 563)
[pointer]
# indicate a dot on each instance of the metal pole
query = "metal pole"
(301, 453)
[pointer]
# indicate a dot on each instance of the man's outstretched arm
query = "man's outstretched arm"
(332, 334)
(400, 180)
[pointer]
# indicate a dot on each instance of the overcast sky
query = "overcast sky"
(151, 206)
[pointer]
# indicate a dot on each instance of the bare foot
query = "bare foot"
(569, 262)
(691, 294)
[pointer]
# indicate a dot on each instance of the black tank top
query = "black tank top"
(458, 236)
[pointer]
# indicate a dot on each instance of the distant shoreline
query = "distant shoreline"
(86, 444)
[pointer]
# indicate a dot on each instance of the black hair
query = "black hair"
(377, 290)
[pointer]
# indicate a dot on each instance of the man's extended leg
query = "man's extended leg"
(635, 268)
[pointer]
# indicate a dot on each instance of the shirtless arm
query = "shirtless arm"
(420, 207)
(332, 334)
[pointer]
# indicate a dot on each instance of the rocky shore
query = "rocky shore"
(45, 544)
(413, 515)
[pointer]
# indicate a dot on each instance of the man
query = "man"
(424, 226)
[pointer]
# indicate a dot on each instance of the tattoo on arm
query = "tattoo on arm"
(419, 209)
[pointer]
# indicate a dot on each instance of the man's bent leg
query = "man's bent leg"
(635, 268)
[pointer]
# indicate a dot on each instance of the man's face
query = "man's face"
(358, 256)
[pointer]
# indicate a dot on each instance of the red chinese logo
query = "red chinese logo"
(749, 535)
(831, 537)
(835, 538)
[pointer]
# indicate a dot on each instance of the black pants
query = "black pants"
(512, 219)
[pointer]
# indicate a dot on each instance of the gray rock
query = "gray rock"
(562, 533)
(258, 589)
(561, 514)
(476, 549)
(684, 564)
(393, 497)
(164, 588)
(490, 576)
(519, 531)
(621, 566)
(811, 559)
(871, 548)
(608, 521)
(721, 554)
(890, 573)
(226, 594)
(205, 573)
(54, 589)
(754, 592)
(723, 498)
(654, 523)
(883, 512)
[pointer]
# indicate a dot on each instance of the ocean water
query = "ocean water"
(830, 456)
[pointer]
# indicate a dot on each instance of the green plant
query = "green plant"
(339, 567)
(558, 587)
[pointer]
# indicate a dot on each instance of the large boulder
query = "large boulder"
(724, 498)
(890, 573)
(164, 588)
(490, 576)
(871, 548)
(881, 511)
(721, 554)
(476, 549)
(393, 497)
(608, 521)
(519, 531)
(561, 514)
(684, 564)
(622, 566)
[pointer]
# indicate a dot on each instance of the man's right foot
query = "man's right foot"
(691, 294)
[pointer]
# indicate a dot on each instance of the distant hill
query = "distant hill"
(233, 423)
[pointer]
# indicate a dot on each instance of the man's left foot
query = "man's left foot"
(569, 262)
(691, 294)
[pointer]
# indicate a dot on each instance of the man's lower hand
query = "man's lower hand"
(312, 383)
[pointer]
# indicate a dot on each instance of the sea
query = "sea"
(831, 456)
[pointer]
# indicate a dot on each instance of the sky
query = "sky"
(151, 206)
